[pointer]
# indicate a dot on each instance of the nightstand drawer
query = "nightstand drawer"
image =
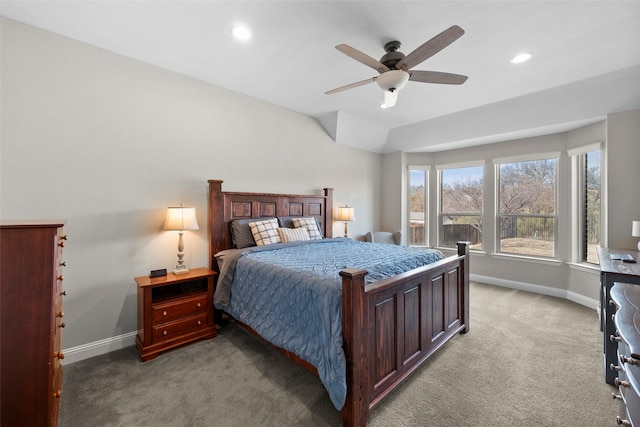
(177, 328)
(177, 308)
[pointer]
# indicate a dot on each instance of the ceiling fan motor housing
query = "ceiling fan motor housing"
(393, 55)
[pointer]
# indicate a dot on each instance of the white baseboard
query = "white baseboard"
(538, 289)
(96, 348)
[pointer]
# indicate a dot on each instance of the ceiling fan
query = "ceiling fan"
(396, 69)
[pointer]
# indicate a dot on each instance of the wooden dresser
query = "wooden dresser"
(611, 271)
(627, 368)
(30, 321)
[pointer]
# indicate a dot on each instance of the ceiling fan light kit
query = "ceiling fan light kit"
(395, 68)
(392, 80)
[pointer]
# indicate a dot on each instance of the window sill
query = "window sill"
(547, 261)
(583, 266)
(475, 252)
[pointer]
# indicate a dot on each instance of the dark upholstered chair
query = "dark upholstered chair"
(383, 237)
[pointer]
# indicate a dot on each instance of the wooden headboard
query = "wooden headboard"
(226, 206)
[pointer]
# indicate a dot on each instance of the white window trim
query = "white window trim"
(576, 195)
(461, 165)
(597, 146)
(439, 213)
(496, 209)
(527, 157)
(427, 196)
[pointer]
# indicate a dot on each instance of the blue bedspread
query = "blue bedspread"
(291, 295)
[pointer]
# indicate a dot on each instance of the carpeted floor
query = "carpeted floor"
(529, 360)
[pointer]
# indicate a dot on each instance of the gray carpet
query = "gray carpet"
(529, 360)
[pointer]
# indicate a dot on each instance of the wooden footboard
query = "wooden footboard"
(392, 326)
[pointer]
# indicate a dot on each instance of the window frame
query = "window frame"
(426, 170)
(440, 213)
(497, 162)
(578, 217)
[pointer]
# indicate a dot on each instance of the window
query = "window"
(587, 206)
(527, 219)
(417, 206)
(461, 197)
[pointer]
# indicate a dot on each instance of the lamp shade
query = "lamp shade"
(635, 229)
(181, 218)
(345, 214)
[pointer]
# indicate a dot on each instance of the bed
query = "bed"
(387, 325)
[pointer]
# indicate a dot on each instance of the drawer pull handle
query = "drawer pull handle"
(614, 367)
(57, 394)
(63, 264)
(164, 333)
(629, 360)
(60, 314)
(199, 323)
(62, 325)
(199, 305)
(61, 244)
(622, 383)
(616, 396)
(620, 421)
(61, 277)
(615, 338)
(63, 237)
(63, 293)
(58, 354)
(164, 313)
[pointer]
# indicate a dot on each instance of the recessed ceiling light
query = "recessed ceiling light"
(241, 32)
(521, 57)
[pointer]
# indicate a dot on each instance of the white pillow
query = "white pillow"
(310, 224)
(265, 232)
(293, 234)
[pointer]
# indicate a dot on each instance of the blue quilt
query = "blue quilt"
(291, 294)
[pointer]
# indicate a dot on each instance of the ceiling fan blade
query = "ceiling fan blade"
(350, 86)
(362, 58)
(430, 48)
(437, 77)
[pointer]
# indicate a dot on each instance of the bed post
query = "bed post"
(328, 213)
(355, 340)
(216, 220)
(463, 250)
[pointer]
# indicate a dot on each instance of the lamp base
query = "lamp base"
(180, 269)
(638, 245)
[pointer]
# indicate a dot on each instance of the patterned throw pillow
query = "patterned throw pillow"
(265, 232)
(293, 234)
(310, 224)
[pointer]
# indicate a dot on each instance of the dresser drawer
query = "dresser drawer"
(177, 328)
(164, 312)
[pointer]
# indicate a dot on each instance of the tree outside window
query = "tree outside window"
(527, 217)
(461, 194)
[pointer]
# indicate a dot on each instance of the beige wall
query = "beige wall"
(107, 143)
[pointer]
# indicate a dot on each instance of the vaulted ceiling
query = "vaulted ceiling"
(585, 64)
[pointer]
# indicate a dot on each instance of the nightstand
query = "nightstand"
(174, 310)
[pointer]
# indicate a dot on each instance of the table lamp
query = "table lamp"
(181, 218)
(345, 214)
(635, 231)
